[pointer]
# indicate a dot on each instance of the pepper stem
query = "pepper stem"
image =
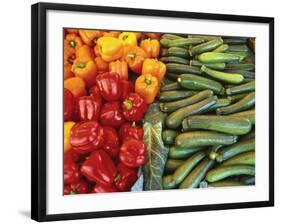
(81, 65)
(72, 43)
(148, 81)
(128, 104)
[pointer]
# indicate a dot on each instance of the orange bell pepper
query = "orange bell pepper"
(75, 31)
(96, 51)
(72, 42)
(153, 35)
(89, 37)
(67, 73)
(110, 48)
(134, 56)
(147, 86)
(76, 86)
(66, 135)
(154, 67)
(68, 56)
(138, 35)
(119, 67)
(102, 66)
(86, 69)
(151, 47)
(84, 51)
(128, 39)
(111, 34)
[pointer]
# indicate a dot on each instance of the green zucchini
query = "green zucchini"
(172, 106)
(164, 52)
(182, 153)
(248, 114)
(225, 124)
(180, 69)
(183, 170)
(220, 103)
(173, 95)
(248, 180)
(222, 48)
(204, 37)
(172, 76)
(170, 86)
(238, 48)
(243, 56)
(173, 59)
(244, 104)
(194, 82)
(235, 40)
(177, 52)
(168, 136)
(237, 97)
(235, 149)
(170, 36)
(175, 119)
(222, 172)
(243, 88)
(168, 182)
(204, 47)
(198, 174)
(242, 66)
(218, 66)
(225, 183)
(245, 73)
(217, 57)
(204, 138)
(181, 42)
(222, 76)
(246, 158)
(172, 164)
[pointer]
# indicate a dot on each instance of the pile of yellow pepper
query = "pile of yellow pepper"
(88, 53)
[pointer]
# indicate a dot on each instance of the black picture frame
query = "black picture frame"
(39, 122)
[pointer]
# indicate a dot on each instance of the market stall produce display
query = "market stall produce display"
(157, 111)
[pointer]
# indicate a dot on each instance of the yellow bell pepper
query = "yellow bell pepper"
(110, 48)
(154, 67)
(66, 138)
(128, 39)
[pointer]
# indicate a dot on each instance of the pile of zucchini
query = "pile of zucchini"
(210, 106)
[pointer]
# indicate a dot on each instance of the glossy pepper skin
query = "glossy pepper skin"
(111, 141)
(147, 86)
(119, 67)
(109, 86)
(110, 48)
(111, 34)
(151, 47)
(127, 88)
(111, 114)
(76, 86)
(86, 69)
(99, 168)
(104, 189)
(84, 52)
(134, 56)
(70, 172)
(128, 130)
(67, 73)
(95, 92)
(134, 107)
(86, 136)
(69, 104)
(126, 177)
(128, 39)
(89, 37)
(67, 126)
(72, 41)
(102, 65)
(155, 68)
(80, 187)
(132, 153)
(89, 108)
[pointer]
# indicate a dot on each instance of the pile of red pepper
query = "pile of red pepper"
(103, 110)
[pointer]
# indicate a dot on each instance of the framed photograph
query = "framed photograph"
(139, 111)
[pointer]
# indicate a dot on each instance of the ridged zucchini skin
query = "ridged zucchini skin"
(243, 88)
(217, 57)
(204, 47)
(246, 158)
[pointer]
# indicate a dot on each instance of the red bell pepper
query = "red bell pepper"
(71, 155)
(69, 104)
(111, 141)
(132, 153)
(126, 177)
(111, 114)
(104, 189)
(131, 131)
(86, 136)
(89, 108)
(95, 92)
(127, 88)
(70, 172)
(99, 168)
(80, 187)
(109, 86)
(134, 107)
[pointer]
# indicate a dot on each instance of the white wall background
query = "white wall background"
(15, 110)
